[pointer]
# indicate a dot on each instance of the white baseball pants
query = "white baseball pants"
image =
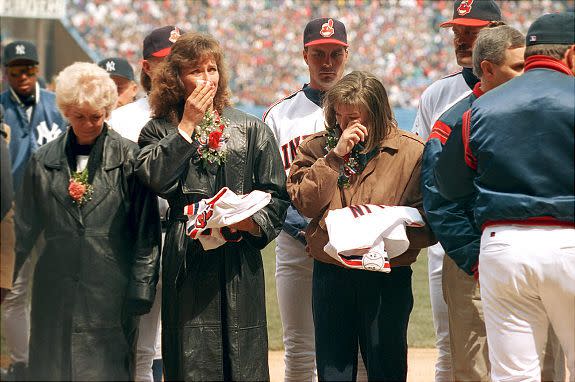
(149, 340)
(149, 346)
(443, 370)
(294, 269)
(527, 280)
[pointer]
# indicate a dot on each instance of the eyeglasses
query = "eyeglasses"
(18, 70)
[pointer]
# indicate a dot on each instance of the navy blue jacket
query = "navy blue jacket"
(452, 222)
(518, 144)
(26, 136)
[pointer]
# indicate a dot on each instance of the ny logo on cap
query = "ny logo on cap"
(464, 8)
(174, 35)
(20, 49)
(533, 38)
(110, 66)
(327, 29)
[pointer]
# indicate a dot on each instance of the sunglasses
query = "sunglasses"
(19, 70)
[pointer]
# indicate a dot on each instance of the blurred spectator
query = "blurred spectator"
(397, 40)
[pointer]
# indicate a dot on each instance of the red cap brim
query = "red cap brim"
(465, 23)
(326, 41)
(162, 53)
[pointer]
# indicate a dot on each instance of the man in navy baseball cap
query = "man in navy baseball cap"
(470, 13)
(325, 51)
(324, 31)
(159, 42)
(122, 74)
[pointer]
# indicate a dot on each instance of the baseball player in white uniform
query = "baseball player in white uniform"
(292, 119)
(468, 18)
(128, 121)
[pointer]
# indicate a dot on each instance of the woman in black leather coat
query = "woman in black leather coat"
(213, 302)
(100, 265)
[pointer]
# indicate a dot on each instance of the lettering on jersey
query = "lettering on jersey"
(464, 8)
(362, 209)
(289, 150)
(46, 135)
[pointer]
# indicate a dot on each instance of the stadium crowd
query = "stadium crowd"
(398, 40)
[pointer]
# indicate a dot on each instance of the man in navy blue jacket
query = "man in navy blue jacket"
(34, 120)
(497, 58)
(515, 164)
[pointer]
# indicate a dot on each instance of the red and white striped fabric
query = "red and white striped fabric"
(208, 219)
(366, 236)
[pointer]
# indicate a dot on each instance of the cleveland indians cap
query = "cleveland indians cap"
(324, 31)
(159, 42)
(117, 66)
(20, 50)
(473, 13)
(555, 28)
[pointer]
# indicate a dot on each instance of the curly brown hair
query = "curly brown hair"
(365, 91)
(168, 95)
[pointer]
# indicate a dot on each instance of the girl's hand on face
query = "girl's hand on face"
(200, 100)
(354, 133)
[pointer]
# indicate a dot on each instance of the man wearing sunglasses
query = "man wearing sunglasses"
(34, 120)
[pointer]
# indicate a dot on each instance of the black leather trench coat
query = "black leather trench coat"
(99, 259)
(213, 302)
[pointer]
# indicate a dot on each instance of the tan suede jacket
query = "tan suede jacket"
(391, 178)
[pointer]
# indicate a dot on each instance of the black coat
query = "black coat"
(213, 302)
(99, 260)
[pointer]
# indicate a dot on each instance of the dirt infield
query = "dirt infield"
(420, 365)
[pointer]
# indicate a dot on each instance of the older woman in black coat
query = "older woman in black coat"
(99, 267)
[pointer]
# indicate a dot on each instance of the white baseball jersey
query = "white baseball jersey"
(208, 219)
(437, 98)
(366, 236)
(129, 119)
(292, 119)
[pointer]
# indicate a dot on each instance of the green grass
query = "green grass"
(420, 333)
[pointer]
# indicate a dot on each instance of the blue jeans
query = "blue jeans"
(372, 308)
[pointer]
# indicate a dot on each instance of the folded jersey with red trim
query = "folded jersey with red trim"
(366, 236)
(208, 219)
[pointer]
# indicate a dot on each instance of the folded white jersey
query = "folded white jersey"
(366, 236)
(208, 219)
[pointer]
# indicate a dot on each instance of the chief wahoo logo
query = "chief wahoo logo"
(464, 8)
(327, 29)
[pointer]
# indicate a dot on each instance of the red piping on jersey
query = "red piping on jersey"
(477, 90)
(440, 131)
(534, 221)
(217, 196)
(546, 62)
(469, 157)
(278, 101)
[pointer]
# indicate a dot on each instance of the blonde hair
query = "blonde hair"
(365, 91)
(84, 83)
